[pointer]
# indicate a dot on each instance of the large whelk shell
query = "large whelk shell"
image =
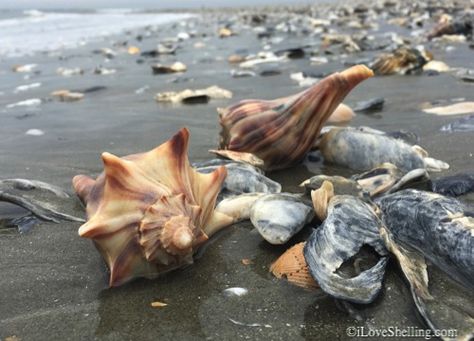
(280, 132)
(148, 213)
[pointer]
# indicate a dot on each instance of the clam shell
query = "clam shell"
(292, 266)
(280, 132)
(149, 213)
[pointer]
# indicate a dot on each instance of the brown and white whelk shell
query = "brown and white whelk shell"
(280, 132)
(148, 213)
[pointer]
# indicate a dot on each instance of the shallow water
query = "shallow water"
(28, 32)
(53, 283)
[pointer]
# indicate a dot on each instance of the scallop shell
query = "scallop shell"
(292, 266)
(280, 132)
(149, 213)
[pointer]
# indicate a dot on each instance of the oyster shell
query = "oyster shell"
(350, 224)
(148, 213)
(241, 178)
(421, 224)
(454, 185)
(282, 131)
(437, 226)
(361, 150)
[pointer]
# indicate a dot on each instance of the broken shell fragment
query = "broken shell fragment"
(225, 32)
(403, 60)
(189, 96)
(292, 266)
(148, 213)
(452, 109)
(67, 96)
(69, 71)
(465, 124)
(436, 65)
(371, 105)
(24, 68)
(235, 59)
(282, 131)
(133, 50)
(159, 69)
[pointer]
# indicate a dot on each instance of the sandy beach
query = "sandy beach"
(53, 283)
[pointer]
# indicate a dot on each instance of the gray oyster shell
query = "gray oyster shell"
(241, 178)
(350, 224)
(363, 151)
(438, 227)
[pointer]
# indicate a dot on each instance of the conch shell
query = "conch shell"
(148, 213)
(280, 132)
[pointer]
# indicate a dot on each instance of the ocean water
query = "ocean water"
(27, 32)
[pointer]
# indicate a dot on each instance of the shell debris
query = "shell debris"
(158, 304)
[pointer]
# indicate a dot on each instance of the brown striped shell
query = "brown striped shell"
(292, 266)
(280, 132)
(148, 213)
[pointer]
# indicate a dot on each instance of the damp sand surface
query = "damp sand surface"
(53, 283)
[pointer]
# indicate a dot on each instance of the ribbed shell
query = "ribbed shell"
(292, 266)
(280, 132)
(148, 212)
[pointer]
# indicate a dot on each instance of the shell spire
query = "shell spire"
(149, 213)
(280, 132)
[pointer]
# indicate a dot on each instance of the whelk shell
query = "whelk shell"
(149, 213)
(280, 132)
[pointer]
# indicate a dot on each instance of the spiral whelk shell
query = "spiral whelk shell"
(280, 132)
(148, 213)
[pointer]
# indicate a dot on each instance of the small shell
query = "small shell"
(292, 266)
(402, 61)
(282, 131)
(150, 212)
(278, 217)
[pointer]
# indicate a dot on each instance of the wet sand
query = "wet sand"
(53, 283)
